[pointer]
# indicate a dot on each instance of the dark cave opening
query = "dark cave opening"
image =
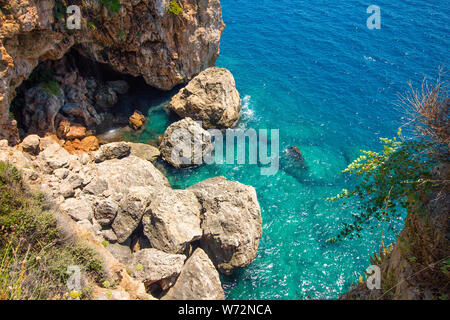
(35, 107)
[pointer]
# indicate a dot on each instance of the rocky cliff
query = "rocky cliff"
(417, 267)
(141, 38)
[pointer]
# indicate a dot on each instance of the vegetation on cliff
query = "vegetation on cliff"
(34, 260)
(412, 174)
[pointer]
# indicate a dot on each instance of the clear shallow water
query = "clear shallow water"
(313, 70)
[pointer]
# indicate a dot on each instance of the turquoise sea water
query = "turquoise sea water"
(313, 70)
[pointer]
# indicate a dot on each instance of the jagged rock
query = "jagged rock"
(61, 173)
(131, 211)
(70, 132)
(120, 252)
(109, 235)
(185, 143)
(121, 174)
(232, 224)
(198, 280)
(144, 151)
(136, 120)
(41, 109)
(173, 220)
(151, 265)
(54, 157)
(211, 97)
(115, 150)
(106, 98)
(31, 144)
(86, 145)
(105, 212)
(163, 49)
(119, 86)
(78, 209)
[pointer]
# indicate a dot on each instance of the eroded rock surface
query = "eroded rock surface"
(211, 97)
(185, 143)
(173, 220)
(142, 39)
(231, 223)
(198, 280)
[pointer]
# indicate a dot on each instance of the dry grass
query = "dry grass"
(428, 112)
(33, 257)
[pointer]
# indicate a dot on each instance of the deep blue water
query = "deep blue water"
(313, 70)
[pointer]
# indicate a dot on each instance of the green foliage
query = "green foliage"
(174, 7)
(387, 181)
(44, 76)
(112, 5)
(33, 260)
(51, 87)
(59, 10)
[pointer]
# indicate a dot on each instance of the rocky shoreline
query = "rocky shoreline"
(155, 241)
(158, 233)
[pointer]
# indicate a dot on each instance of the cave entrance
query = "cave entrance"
(88, 95)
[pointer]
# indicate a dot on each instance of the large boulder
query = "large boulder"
(54, 157)
(185, 143)
(144, 151)
(115, 150)
(131, 211)
(31, 144)
(211, 97)
(77, 209)
(231, 222)
(151, 265)
(172, 221)
(118, 175)
(198, 280)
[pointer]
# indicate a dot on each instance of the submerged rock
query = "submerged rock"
(231, 222)
(198, 280)
(211, 97)
(185, 143)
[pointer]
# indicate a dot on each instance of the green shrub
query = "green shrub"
(174, 7)
(33, 260)
(112, 5)
(387, 180)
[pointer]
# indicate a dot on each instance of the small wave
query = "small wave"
(369, 58)
(247, 112)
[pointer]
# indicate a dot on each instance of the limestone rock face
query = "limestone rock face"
(144, 151)
(142, 39)
(131, 210)
(151, 265)
(79, 210)
(31, 144)
(232, 223)
(211, 97)
(115, 150)
(185, 143)
(54, 157)
(198, 280)
(173, 220)
(118, 175)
